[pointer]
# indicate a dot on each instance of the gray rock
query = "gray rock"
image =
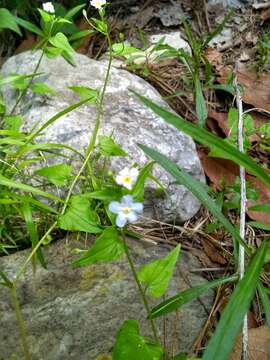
(173, 39)
(75, 314)
(231, 3)
(171, 14)
(124, 116)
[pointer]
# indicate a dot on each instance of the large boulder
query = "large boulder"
(124, 116)
(75, 314)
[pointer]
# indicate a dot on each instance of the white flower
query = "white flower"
(98, 3)
(127, 211)
(127, 177)
(48, 6)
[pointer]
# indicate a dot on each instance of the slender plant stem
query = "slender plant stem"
(142, 294)
(20, 322)
(23, 93)
(241, 261)
(88, 156)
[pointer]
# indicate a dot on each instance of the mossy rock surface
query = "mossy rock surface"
(75, 313)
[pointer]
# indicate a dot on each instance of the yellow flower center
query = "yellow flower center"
(127, 179)
(126, 210)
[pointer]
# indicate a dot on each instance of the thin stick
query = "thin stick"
(241, 262)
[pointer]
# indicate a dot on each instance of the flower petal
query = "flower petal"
(132, 216)
(134, 172)
(137, 207)
(115, 207)
(121, 220)
(127, 200)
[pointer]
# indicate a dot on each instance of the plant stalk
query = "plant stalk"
(241, 262)
(142, 294)
(20, 322)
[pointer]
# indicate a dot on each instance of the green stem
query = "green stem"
(142, 294)
(20, 322)
(101, 101)
(29, 84)
(88, 155)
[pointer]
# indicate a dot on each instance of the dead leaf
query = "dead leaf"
(215, 58)
(221, 119)
(213, 253)
(265, 15)
(217, 169)
(264, 198)
(259, 345)
(26, 44)
(256, 89)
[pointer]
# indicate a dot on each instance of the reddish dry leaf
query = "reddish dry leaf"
(221, 118)
(215, 58)
(256, 90)
(213, 253)
(265, 15)
(26, 44)
(264, 198)
(259, 345)
(217, 169)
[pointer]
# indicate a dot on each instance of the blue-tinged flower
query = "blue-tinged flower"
(127, 211)
(98, 3)
(48, 6)
(127, 177)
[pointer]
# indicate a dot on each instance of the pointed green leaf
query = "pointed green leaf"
(108, 247)
(158, 273)
(201, 109)
(196, 187)
(29, 26)
(60, 41)
(86, 93)
(130, 345)
(79, 216)
(42, 88)
(17, 185)
(56, 174)
(138, 188)
(108, 147)
(222, 342)
(186, 296)
(7, 21)
(264, 295)
(205, 137)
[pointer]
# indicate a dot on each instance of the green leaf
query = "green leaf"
(42, 88)
(56, 174)
(13, 122)
(108, 247)
(222, 342)
(60, 41)
(138, 188)
(121, 49)
(69, 15)
(86, 93)
(260, 207)
(108, 147)
(201, 109)
(259, 225)
(205, 137)
(79, 216)
(29, 26)
(7, 21)
(17, 185)
(264, 295)
(80, 34)
(197, 188)
(108, 194)
(186, 296)
(158, 273)
(32, 230)
(130, 345)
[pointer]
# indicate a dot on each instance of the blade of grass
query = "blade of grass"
(198, 189)
(222, 342)
(184, 297)
(205, 137)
